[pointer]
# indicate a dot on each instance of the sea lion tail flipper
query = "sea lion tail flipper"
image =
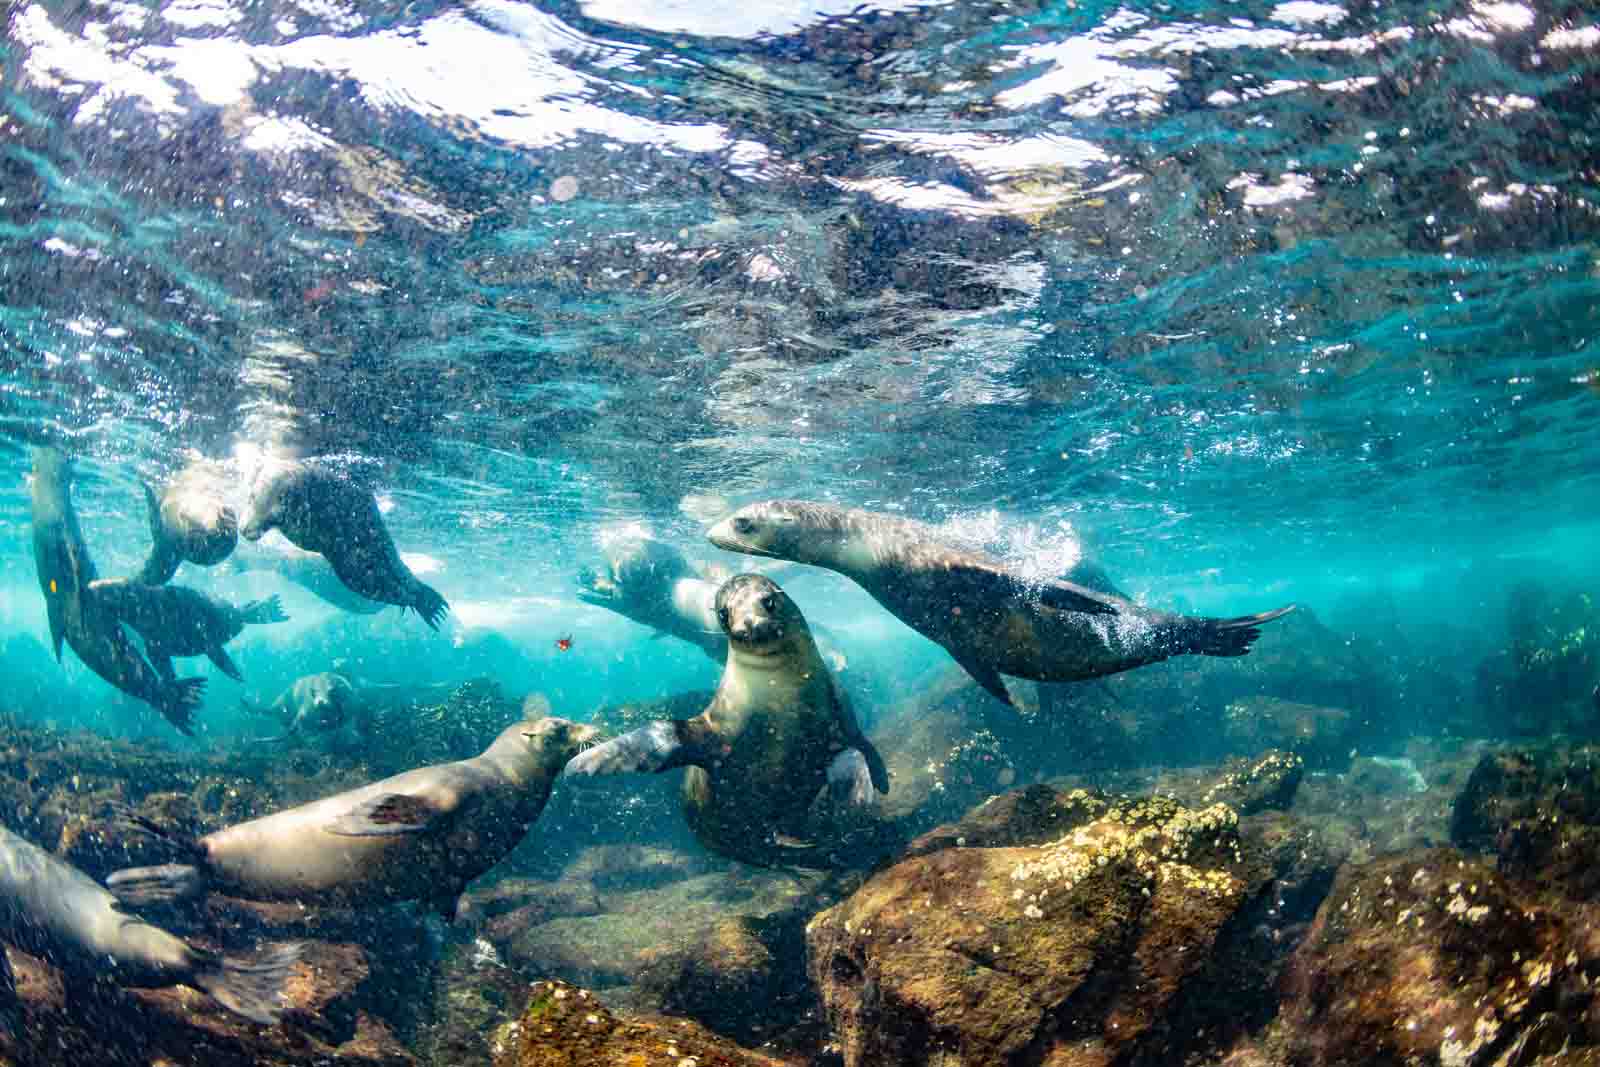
(655, 746)
(163, 561)
(252, 989)
(219, 655)
(987, 677)
(179, 700)
(388, 815)
(258, 612)
(169, 883)
(429, 604)
(1229, 637)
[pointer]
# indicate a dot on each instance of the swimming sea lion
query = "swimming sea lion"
(175, 620)
(990, 619)
(420, 835)
(777, 731)
(321, 511)
(190, 521)
(76, 613)
(653, 584)
(56, 912)
(318, 707)
(308, 570)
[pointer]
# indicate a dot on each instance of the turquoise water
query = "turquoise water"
(1250, 302)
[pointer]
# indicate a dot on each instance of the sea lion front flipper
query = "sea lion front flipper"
(656, 746)
(163, 561)
(985, 676)
(387, 815)
(219, 655)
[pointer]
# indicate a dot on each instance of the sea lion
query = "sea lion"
(175, 620)
(318, 707)
(322, 511)
(776, 732)
(76, 613)
(420, 835)
(308, 570)
(190, 521)
(992, 620)
(54, 911)
(655, 585)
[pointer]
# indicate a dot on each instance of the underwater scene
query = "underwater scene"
(537, 533)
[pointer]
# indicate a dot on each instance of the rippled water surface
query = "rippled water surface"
(1246, 295)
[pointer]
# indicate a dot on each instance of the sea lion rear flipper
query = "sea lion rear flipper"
(387, 815)
(163, 561)
(268, 610)
(656, 746)
(252, 989)
(141, 887)
(219, 655)
(987, 677)
(178, 701)
(1228, 637)
(428, 603)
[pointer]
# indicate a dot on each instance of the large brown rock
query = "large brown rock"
(1538, 810)
(1435, 957)
(1104, 944)
(565, 1026)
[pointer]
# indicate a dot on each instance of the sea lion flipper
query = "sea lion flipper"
(1228, 637)
(656, 746)
(985, 676)
(387, 815)
(219, 655)
(1069, 596)
(163, 561)
(141, 887)
(251, 988)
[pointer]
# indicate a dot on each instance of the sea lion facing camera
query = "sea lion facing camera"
(775, 734)
(420, 835)
(190, 521)
(76, 614)
(990, 619)
(322, 511)
(56, 912)
(175, 620)
(318, 708)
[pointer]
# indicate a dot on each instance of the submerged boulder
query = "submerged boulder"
(1433, 956)
(565, 1026)
(1538, 811)
(1056, 928)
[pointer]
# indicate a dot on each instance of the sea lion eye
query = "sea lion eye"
(722, 614)
(743, 525)
(769, 603)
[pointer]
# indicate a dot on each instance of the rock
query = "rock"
(474, 994)
(613, 948)
(1542, 682)
(1434, 956)
(1136, 926)
(744, 978)
(1267, 782)
(1538, 810)
(565, 1026)
(1322, 736)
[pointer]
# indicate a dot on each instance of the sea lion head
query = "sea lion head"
(209, 527)
(324, 702)
(783, 529)
(549, 743)
(758, 617)
(271, 499)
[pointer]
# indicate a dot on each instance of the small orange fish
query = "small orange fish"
(564, 643)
